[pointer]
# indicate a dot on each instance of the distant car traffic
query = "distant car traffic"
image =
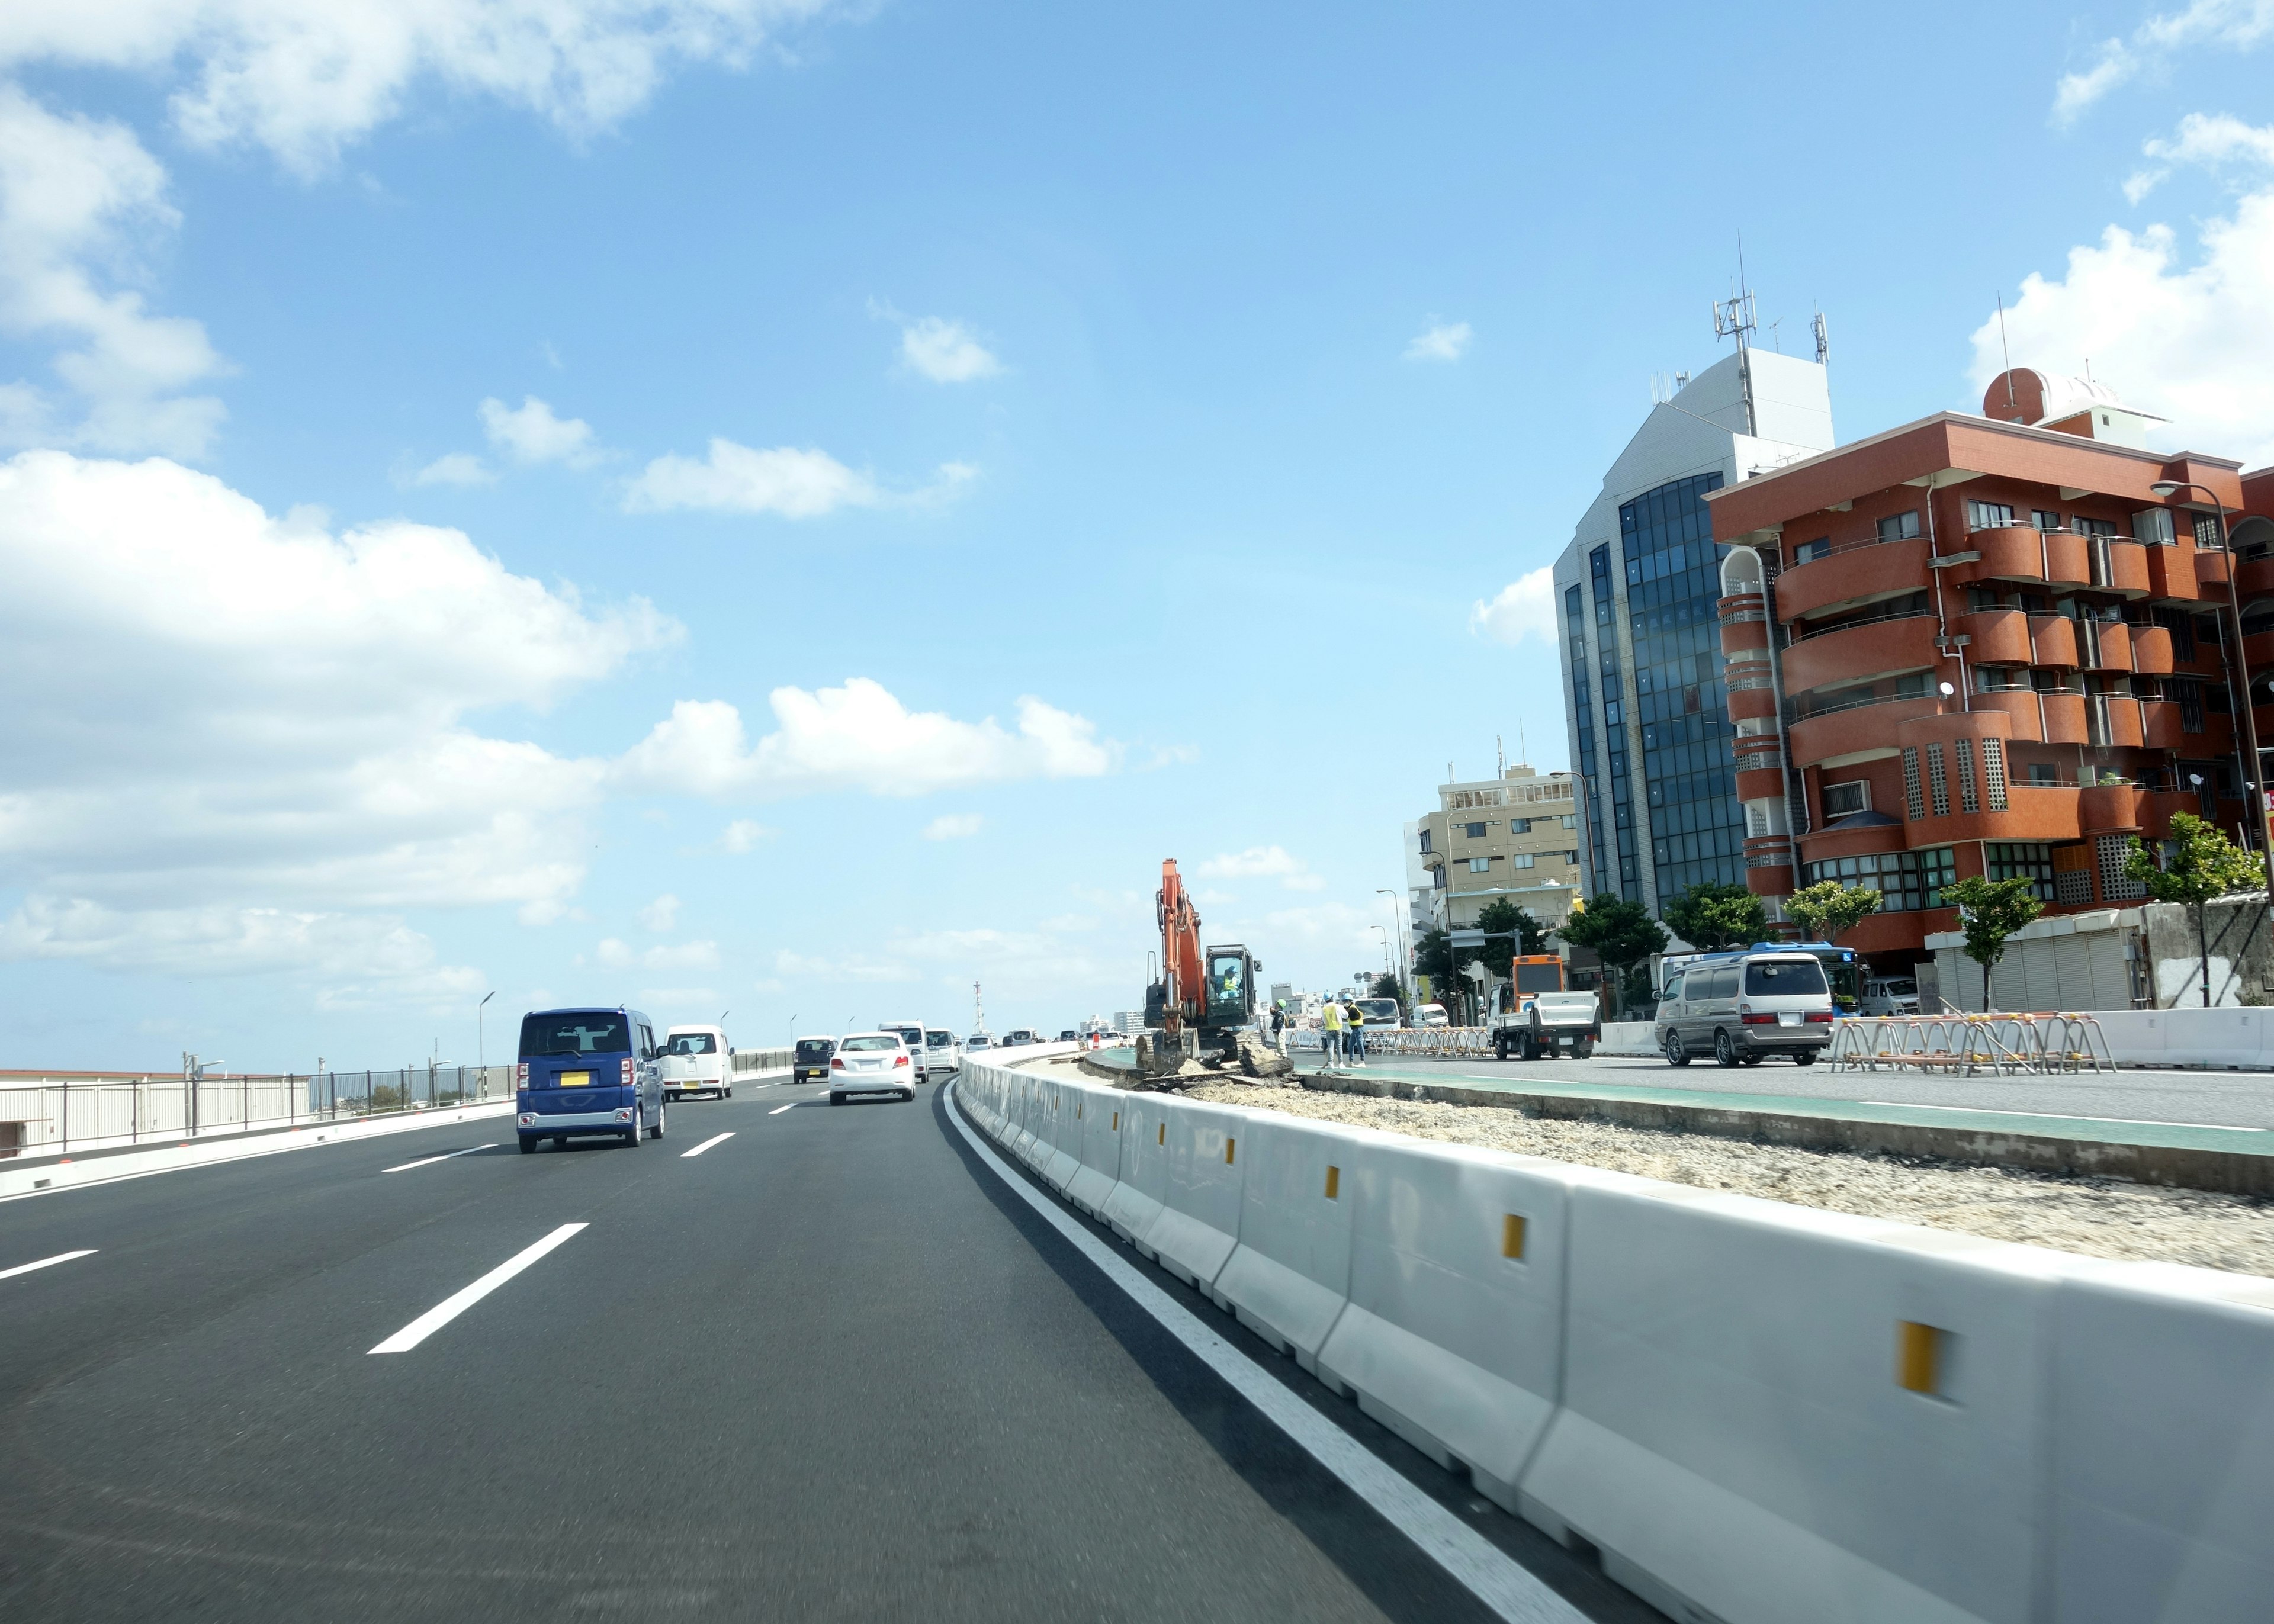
(1380, 1013)
(1432, 1015)
(941, 1057)
(696, 1060)
(1018, 1035)
(811, 1058)
(584, 1071)
(977, 1041)
(1069, 1036)
(912, 1033)
(872, 1063)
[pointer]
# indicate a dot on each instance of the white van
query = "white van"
(696, 1060)
(942, 1057)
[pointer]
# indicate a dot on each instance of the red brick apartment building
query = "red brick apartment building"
(1996, 651)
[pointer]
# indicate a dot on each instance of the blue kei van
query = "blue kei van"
(588, 1071)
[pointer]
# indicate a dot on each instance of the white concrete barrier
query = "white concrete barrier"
(1453, 1335)
(1785, 1415)
(1289, 1277)
(1135, 1201)
(2163, 1447)
(1100, 1149)
(1061, 1158)
(1198, 1224)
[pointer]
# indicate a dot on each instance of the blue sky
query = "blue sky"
(982, 451)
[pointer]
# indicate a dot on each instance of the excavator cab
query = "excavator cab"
(1230, 988)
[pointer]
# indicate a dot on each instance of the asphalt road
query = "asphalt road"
(2203, 1099)
(831, 1368)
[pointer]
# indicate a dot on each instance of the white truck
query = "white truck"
(1534, 1015)
(697, 1060)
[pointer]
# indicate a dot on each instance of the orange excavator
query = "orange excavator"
(1205, 996)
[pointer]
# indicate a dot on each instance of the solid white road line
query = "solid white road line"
(717, 1138)
(450, 1307)
(430, 1161)
(1493, 1577)
(61, 1256)
(779, 1109)
(2135, 1121)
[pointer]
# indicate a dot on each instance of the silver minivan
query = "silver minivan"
(1741, 1007)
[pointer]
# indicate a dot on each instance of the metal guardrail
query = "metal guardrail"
(1968, 1045)
(1463, 1042)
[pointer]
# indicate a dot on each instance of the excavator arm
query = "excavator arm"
(1184, 978)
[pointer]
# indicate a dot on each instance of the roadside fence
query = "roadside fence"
(43, 1114)
(1463, 1042)
(1967, 1045)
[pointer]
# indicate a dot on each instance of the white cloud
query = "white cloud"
(303, 81)
(1263, 863)
(2239, 23)
(797, 483)
(614, 954)
(2193, 342)
(946, 351)
(857, 737)
(1525, 607)
(76, 192)
(661, 914)
(457, 467)
(952, 826)
(744, 834)
(1441, 341)
(211, 707)
(853, 968)
(2207, 142)
(530, 432)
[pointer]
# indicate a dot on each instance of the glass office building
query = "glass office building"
(1645, 702)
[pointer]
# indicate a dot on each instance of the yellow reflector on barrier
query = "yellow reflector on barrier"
(1334, 1182)
(1162, 1137)
(1229, 1145)
(1512, 1236)
(1918, 1357)
(1117, 1122)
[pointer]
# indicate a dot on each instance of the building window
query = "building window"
(1613, 715)
(1839, 800)
(1520, 825)
(1994, 774)
(2189, 693)
(2206, 530)
(1937, 787)
(1898, 526)
(2095, 527)
(2181, 624)
(1480, 865)
(1906, 881)
(2114, 885)
(2043, 774)
(1437, 879)
(1809, 552)
(1475, 832)
(1573, 858)
(1522, 859)
(1571, 820)
(1967, 802)
(1425, 839)
(2045, 518)
(1912, 802)
(2073, 887)
(2153, 525)
(1982, 516)
(2022, 860)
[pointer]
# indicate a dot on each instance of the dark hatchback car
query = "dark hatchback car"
(588, 1072)
(811, 1058)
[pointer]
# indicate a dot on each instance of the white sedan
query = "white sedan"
(872, 1063)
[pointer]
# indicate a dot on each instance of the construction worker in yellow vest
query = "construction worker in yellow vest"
(1330, 1033)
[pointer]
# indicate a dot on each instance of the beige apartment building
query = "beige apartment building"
(1515, 838)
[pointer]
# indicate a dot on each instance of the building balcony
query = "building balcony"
(2001, 636)
(2172, 574)
(1850, 729)
(1760, 783)
(2064, 717)
(2019, 704)
(1862, 649)
(2154, 809)
(1740, 635)
(2011, 553)
(2128, 568)
(2105, 645)
(2108, 809)
(1748, 704)
(2212, 565)
(2254, 578)
(2160, 724)
(2113, 720)
(1853, 574)
(2069, 558)
(2053, 640)
(2151, 650)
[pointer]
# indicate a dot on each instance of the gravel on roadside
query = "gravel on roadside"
(2098, 1217)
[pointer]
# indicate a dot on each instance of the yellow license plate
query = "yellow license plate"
(574, 1080)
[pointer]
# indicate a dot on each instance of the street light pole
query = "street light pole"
(1405, 948)
(481, 1043)
(2255, 778)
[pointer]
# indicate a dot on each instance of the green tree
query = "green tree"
(1620, 933)
(1385, 986)
(1989, 911)
(1435, 956)
(1509, 930)
(1826, 911)
(2203, 863)
(1713, 916)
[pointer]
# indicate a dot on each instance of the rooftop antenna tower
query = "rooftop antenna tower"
(1734, 318)
(978, 1011)
(2006, 353)
(1500, 752)
(1822, 342)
